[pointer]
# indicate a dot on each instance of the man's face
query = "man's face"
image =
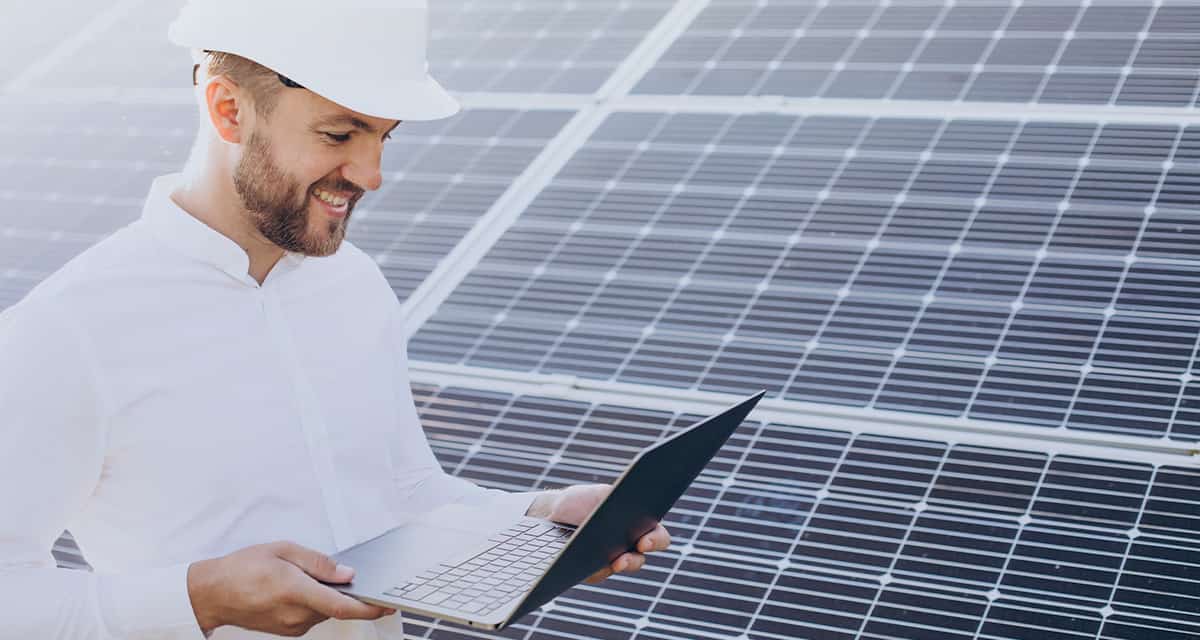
(302, 172)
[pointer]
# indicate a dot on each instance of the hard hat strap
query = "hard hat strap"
(286, 81)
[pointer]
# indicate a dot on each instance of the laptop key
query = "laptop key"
(420, 593)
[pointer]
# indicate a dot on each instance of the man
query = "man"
(216, 397)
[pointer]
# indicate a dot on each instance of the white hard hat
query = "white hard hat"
(366, 55)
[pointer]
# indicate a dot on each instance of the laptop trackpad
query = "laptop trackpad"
(394, 558)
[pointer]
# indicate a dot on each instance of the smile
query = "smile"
(332, 205)
(330, 199)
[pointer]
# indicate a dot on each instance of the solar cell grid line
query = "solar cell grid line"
(904, 538)
(1057, 540)
(41, 32)
(771, 267)
(1156, 579)
(1009, 323)
(1060, 51)
(457, 168)
(125, 146)
(1069, 550)
(853, 51)
(536, 47)
(130, 52)
(66, 554)
(1090, 54)
(1006, 325)
(799, 532)
(561, 248)
(522, 286)
(613, 434)
(474, 46)
(939, 277)
(533, 426)
(708, 249)
(708, 514)
(1084, 391)
(1005, 84)
(46, 223)
(822, 329)
(969, 265)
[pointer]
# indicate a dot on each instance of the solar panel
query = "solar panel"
(891, 263)
(33, 30)
(480, 45)
(67, 182)
(440, 178)
(796, 531)
(978, 209)
(540, 46)
(1123, 53)
(128, 50)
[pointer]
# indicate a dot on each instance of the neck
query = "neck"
(207, 193)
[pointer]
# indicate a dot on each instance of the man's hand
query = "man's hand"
(575, 503)
(273, 588)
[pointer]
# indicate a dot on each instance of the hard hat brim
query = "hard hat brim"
(410, 101)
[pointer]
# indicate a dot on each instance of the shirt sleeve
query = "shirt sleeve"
(51, 456)
(422, 483)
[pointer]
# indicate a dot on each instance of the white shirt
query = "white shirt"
(164, 407)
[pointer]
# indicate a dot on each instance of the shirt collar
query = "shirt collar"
(188, 235)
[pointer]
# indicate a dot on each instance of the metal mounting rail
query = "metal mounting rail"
(1054, 440)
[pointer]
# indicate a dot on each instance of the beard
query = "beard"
(278, 204)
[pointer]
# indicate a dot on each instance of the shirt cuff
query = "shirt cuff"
(150, 604)
(512, 506)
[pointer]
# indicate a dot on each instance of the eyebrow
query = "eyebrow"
(344, 119)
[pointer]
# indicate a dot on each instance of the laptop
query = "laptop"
(488, 577)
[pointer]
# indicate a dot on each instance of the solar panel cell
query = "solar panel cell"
(1079, 566)
(955, 551)
(948, 327)
(1124, 404)
(838, 377)
(1014, 619)
(1051, 336)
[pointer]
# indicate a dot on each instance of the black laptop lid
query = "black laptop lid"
(640, 498)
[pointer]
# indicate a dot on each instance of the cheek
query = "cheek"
(310, 165)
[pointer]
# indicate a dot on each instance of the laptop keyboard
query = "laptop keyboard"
(485, 582)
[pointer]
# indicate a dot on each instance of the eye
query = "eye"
(387, 136)
(337, 137)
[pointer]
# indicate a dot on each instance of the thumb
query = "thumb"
(314, 563)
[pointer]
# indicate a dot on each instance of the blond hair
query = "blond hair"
(262, 84)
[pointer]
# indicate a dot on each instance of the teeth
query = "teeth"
(332, 200)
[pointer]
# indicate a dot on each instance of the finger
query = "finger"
(577, 502)
(628, 562)
(314, 563)
(599, 576)
(329, 602)
(657, 540)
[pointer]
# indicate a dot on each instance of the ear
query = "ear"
(226, 108)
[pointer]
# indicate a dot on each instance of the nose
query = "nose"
(364, 169)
